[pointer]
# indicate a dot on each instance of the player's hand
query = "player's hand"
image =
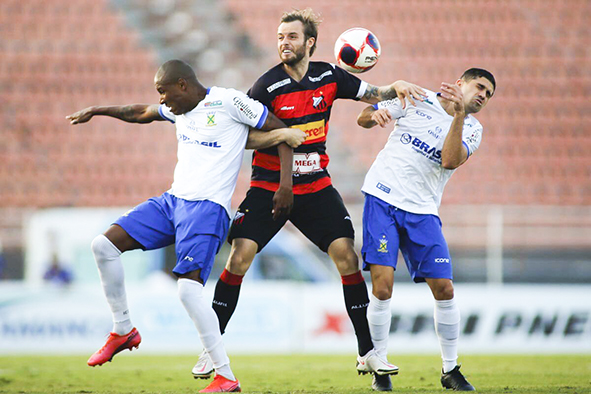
(406, 90)
(294, 137)
(81, 116)
(453, 93)
(282, 202)
(382, 117)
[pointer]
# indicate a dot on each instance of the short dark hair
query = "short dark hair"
(172, 70)
(309, 19)
(474, 73)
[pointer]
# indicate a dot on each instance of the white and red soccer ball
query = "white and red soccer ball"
(357, 50)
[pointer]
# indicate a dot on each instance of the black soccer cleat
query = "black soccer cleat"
(381, 382)
(454, 380)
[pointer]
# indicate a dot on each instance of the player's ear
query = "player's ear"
(460, 82)
(310, 42)
(182, 84)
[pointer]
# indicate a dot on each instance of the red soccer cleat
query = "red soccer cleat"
(222, 385)
(115, 344)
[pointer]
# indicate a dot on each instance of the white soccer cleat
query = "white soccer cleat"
(204, 367)
(371, 362)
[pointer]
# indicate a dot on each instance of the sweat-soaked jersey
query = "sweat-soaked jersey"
(305, 105)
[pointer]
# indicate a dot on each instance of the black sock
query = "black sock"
(225, 299)
(356, 301)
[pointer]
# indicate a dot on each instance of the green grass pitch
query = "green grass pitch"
(138, 373)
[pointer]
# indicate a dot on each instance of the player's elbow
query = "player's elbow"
(364, 122)
(449, 165)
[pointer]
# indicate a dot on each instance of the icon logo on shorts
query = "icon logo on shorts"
(238, 218)
(383, 248)
(188, 258)
(442, 260)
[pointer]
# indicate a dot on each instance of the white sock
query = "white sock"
(447, 327)
(108, 261)
(379, 317)
(208, 326)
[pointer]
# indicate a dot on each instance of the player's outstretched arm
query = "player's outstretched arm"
(370, 117)
(401, 89)
(265, 139)
(134, 113)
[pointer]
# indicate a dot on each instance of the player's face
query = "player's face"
(172, 96)
(476, 93)
(291, 42)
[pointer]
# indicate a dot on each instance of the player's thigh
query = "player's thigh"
(380, 234)
(254, 218)
(201, 227)
(149, 224)
(425, 249)
(121, 239)
(322, 217)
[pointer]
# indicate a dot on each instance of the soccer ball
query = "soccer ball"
(357, 50)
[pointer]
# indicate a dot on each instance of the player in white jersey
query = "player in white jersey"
(212, 128)
(403, 190)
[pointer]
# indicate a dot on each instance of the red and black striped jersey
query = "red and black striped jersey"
(305, 105)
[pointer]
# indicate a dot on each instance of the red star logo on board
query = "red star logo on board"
(333, 323)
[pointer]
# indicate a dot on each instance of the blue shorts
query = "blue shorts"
(419, 237)
(197, 228)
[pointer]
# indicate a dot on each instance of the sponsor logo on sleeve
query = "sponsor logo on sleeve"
(245, 108)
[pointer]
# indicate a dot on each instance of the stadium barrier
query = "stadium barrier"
(288, 317)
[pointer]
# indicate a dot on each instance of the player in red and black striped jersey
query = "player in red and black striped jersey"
(302, 93)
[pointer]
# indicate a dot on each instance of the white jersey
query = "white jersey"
(211, 141)
(407, 173)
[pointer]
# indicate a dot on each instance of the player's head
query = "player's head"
(175, 80)
(297, 35)
(478, 86)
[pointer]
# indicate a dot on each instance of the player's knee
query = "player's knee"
(444, 291)
(239, 263)
(382, 291)
(103, 249)
(347, 263)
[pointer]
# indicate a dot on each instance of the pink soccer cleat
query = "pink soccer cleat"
(115, 344)
(222, 385)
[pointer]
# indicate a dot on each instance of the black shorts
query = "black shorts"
(321, 217)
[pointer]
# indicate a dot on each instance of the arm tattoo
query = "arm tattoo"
(127, 112)
(371, 92)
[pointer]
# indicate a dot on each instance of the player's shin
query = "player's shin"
(379, 317)
(356, 301)
(225, 297)
(447, 327)
(205, 320)
(108, 261)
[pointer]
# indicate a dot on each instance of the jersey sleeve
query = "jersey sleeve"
(348, 85)
(164, 111)
(393, 106)
(244, 109)
(260, 93)
(471, 138)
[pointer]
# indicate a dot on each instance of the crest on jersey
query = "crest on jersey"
(211, 119)
(318, 102)
(383, 248)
